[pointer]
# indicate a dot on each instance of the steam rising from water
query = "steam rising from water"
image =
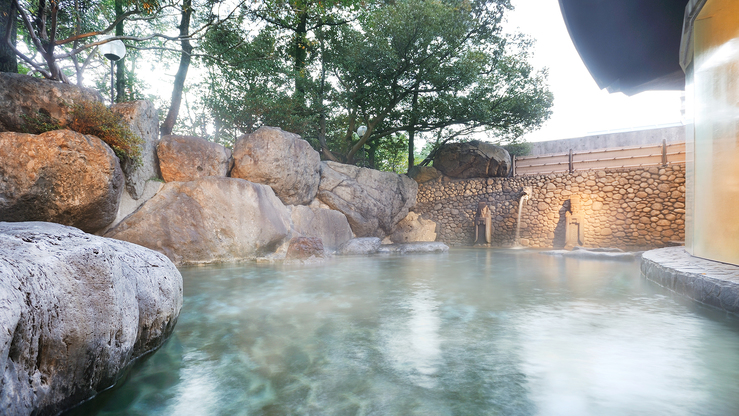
(474, 332)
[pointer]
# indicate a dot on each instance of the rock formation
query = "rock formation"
(281, 160)
(373, 201)
(303, 248)
(186, 158)
(474, 159)
(423, 174)
(76, 310)
(143, 120)
(414, 228)
(60, 176)
(360, 246)
(23, 95)
(208, 220)
(329, 225)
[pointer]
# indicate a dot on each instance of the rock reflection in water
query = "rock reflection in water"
(474, 332)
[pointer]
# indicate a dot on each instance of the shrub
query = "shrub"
(40, 122)
(94, 118)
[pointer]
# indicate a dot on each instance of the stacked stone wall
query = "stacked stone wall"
(632, 209)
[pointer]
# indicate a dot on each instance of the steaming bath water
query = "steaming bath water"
(474, 332)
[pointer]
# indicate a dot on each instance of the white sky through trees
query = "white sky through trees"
(580, 107)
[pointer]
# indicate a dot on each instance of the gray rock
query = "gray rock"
(373, 201)
(409, 248)
(423, 174)
(129, 205)
(23, 95)
(75, 311)
(60, 176)
(281, 160)
(329, 225)
(143, 120)
(360, 246)
(474, 159)
(209, 220)
(186, 158)
(414, 228)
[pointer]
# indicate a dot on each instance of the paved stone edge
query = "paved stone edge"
(711, 283)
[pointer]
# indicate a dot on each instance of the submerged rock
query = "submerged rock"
(373, 201)
(187, 158)
(281, 160)
(76, 310)
(419, 247)
(360, 246)
(474, 159)
(143, 120)
(209, 220)
(328, 225)
(59, 176)
(595, 254)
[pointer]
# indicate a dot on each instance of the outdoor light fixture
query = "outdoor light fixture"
(361, 130)
(114, 50)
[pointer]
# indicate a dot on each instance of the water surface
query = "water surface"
(472, 332)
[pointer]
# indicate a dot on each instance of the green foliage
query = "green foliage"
(94, 118)
(518, 148)
(40, 122)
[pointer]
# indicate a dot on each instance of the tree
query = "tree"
(433, 66)
(8, 30)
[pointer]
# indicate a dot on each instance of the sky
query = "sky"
(580, 107)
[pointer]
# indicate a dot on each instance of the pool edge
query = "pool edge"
(709, 282)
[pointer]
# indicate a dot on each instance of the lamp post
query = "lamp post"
(114, 50)
(361, 130)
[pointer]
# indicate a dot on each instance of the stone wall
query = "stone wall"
(632, 209)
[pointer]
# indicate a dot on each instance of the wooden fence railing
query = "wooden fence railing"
(654, 155)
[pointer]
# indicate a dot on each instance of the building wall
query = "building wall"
(713, 97)
(632, 209)
(674, 134)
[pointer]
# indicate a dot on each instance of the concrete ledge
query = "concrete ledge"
(709, 282)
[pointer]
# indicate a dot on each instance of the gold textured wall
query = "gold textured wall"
(712, 98)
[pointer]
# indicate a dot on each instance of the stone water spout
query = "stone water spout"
(525, 195)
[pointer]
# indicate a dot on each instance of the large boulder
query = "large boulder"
(281, 160)
(75, 311)
(23, 96)
(373, 201)
(186, 158)
(209, 220)
(423, 174)
(414, 228)
(60, 176)
(474, 159)
(143, 120)
(129, 205)
(329, 225)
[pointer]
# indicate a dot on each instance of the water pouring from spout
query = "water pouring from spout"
(525, 195)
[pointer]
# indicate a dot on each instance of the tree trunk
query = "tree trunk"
(179, 79)
(120, 76)
(301, 54)
(412, 130)
(8, 62)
